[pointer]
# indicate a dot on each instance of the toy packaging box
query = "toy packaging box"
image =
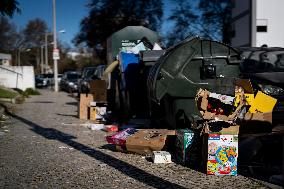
(222, 154)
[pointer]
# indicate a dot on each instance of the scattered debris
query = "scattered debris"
(161, 157)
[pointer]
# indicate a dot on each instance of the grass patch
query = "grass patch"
(31, 91)
(7, 94)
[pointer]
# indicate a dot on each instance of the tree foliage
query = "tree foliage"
(8, 34)
(108, 16)
(216, 17)
(8, 7)
(184, 20)
(209, 19)
(34, 32)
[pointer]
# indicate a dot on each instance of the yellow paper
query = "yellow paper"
(262, 103)
(249, 99)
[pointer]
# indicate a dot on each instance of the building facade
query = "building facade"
(257, 22)
(5, 59)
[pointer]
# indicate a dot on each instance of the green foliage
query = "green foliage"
(30, 91)
(4, 93)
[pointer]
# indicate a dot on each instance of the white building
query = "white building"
(5, 59)
(258, 22)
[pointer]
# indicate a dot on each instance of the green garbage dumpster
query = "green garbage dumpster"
(185, 68)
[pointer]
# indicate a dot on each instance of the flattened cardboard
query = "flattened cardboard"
(147, 140)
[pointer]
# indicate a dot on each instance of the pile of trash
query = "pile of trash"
(223, 117)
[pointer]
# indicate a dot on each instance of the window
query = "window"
(261, 25)
(261, 28)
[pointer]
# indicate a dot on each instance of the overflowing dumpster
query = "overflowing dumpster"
(185, 68)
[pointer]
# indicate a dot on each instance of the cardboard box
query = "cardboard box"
(85, 100)
(147, 140)
(161, 157)
(222, 154)
(99, 89)
(202, 103)
(264, 117)
(184, 140)
(97, 113)
(232, 130)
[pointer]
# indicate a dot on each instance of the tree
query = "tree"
(8, 7)
(216, 18)
(184, 20)
(108, 16)
(8, 35)
(34, 34)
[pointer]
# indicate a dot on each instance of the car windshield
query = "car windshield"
(90, 73)
(72, 76)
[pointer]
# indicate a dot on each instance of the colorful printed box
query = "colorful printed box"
(222, 154)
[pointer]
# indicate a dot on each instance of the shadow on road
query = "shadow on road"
(72, 103)
(43, 102)
(123, 167)
(68, 115)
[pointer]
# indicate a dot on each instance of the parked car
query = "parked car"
(264, 66)
(89, 74)
(83, 82)
(59, 77)
(69, 81)
(50, 78)
(40, 81)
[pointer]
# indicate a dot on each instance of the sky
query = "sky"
(69, 13)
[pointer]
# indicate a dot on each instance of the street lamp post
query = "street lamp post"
(41, 59)
(55, 48)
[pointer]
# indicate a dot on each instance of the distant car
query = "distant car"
(59, 77)
(89, 74)
(40, 81)
(50, 78)
(69, 81)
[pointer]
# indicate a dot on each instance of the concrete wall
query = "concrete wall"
(248, 14)
(270, 12)
(21, 77)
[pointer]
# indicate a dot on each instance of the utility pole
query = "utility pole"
(41, 59)
(55, 50)
(46, 53)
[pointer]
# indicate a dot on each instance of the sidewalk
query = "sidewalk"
(47, 148)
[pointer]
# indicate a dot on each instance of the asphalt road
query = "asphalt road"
(44, 146)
